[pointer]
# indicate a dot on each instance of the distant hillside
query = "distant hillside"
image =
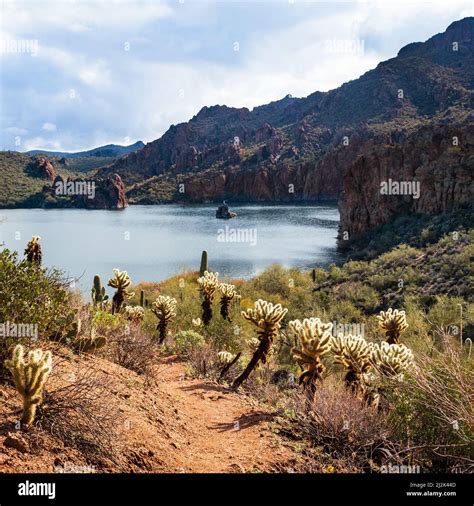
(409, 118)
(111, 150)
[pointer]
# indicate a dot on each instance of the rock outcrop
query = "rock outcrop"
(394, 122)
(109, 194)
(41, 167)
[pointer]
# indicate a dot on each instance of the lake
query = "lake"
(153, 243)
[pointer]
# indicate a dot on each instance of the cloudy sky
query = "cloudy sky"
(78, 74)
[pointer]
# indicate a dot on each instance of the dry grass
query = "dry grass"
(79, 411)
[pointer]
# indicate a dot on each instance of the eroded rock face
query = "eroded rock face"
(43, 168)
(437, 158)
(109, 194)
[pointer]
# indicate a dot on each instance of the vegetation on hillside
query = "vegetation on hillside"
(378, 386)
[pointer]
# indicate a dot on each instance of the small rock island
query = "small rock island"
(223, 212)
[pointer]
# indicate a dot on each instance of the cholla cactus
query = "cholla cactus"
(134, 314)
(197, 322)
(354, 353)
(164, 308)
(91, 343)
(391, 359)
(228, 292)
(30, 376)
(394, 322)
(225, 357)
(267, 317)
(208, 284)
(121, 281)
(33, 250)
(315, 340)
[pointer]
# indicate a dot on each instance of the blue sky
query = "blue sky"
(116, 71)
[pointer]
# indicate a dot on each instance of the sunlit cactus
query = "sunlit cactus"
(99, 297)
(121, 281)
(164, 308)
(354, 353)
(33, 250)
(225, 357)
(90, 343)
(267, 317)
(134, 314)
(391, 359)
(314, 341)
(30, 376)
(394, 322)
(208, 284)
(228, 293)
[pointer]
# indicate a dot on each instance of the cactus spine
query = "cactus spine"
(228, 293)
(315, 339)
(394, 322)
(99, 297)
(30, 376)
(267, 317)
(121, 281)
(204, 267)
(354, 353)
(134, 314)
(391, 359)
(164, 308)
(33, 250)
(208, 285)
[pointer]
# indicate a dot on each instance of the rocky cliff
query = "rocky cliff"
(397, 122)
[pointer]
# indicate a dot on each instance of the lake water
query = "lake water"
(153, 243)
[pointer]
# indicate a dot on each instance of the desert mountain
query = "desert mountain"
(410, 117)
(110, 150)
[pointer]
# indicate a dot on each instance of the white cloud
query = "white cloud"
(187, 48)
(49, 127)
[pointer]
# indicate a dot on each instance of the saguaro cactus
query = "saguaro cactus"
(208, 285)
(142, 298)
(354, 353)
(30, 376)
(204, 267)
(121, 281)
(228, 293)
(267, 317)
(33, 250)
(164, 308)
(315, 339)
(394, 322)
(99, 297)
(391, 359)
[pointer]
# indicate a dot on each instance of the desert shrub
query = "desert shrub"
(432, 410)
(79, 411)
(362, 296)
(341, 429)
(31, 295)
(186, 342)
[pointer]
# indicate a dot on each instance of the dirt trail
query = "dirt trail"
(223, 431)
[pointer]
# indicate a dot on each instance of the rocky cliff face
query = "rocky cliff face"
(429, 171)
(394, 122)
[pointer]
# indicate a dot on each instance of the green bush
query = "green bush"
(187, 340)
(32, 295)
